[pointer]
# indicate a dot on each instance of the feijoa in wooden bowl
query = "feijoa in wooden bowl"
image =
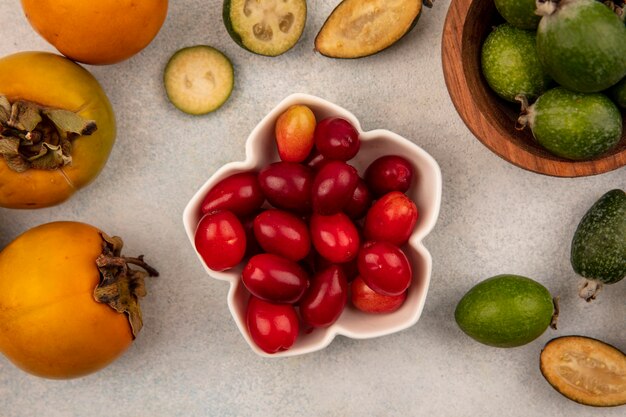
(491, 119)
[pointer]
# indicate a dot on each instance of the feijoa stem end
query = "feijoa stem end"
(121, 286)
(546, 7)
(524, 119)
(588, 289)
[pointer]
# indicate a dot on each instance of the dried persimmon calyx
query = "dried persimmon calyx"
(39, 137)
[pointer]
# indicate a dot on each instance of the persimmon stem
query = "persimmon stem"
(120, 286)
(122, 262)
(33, 136)
(140, 262)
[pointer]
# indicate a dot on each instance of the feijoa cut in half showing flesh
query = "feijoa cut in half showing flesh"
(506, 311)
(198, 79)
(358, 28)
(576, 126)
(265, 27)
(582, 44)
(511, 65)
(585, 370)
(598, 250)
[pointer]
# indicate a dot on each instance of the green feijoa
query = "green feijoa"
(599, 245)
(582, 44)
(575, 126)
(519, 13)
(506, 311)
(510, 63)
(618, 92)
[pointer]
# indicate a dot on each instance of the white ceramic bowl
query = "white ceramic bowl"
(425, 192)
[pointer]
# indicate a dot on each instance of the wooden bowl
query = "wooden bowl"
(490, 118)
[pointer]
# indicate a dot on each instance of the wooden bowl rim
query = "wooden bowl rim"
(482, 126)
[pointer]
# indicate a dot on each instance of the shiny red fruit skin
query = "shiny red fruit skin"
(333, 187)
(349, 268)
(287, 185)
(282, 233)
(384, 268)
(273, 327)
(389, 173)
(336, 138)
(335, 237)
(392, 219)
(360, 202)
(220, 240)
(326, 298)
(274, 278)
(369, 301)
(239, 193)
(252, 246)
(315, 160)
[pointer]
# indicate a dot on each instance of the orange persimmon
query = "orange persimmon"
(68, 301)
(97, 32)
(51, 81)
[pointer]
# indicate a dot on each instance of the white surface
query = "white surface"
(425, 192)
(190, 359)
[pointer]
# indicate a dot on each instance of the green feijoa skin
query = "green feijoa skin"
(599, 245)
(582, 44)
(510, 63)
(506, 311)
(519, 13)
(575, 126)
(618, 92)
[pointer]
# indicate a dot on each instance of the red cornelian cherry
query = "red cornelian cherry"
(389, 173)
(239, 193)
(220, 240)
(273, 327)
(384, 268)
(333, 187)
(274, 278)
(335, 237)
(369, 301)
(287, 185)
(282, 233)
(336, 138)
(324, 301)
(392, 218)
(360, 202)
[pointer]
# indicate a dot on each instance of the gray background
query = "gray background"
(190, 358)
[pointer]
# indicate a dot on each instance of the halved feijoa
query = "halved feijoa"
(582, 44)
(575, 126)
(265, 27)
(198, 79)
(585, 370)
(511, 65)
(506, 311)
(358, 28)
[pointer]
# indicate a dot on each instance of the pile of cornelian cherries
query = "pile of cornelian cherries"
(312, 232)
